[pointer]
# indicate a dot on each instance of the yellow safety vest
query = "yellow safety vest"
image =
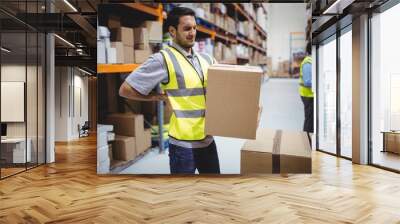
(186, 92)
(304, 90)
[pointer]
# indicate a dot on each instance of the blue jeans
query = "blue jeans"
(186, 160)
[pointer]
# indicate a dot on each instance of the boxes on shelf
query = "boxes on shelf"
(141, 38)
(233, 94)
(129, 54)
(119, 48)
(124, 35)
(154, 31)
(276, 151)
(114, 22)
(229, 54)
(111, 55)
(230, 25)
(200, 12)
(204, 46)
(124, 148)
(141, 55)
(101, 52)
(126, 124)
(218, 47)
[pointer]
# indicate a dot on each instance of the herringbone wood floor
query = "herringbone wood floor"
(69, 191)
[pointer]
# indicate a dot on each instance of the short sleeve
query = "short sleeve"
(148, 75)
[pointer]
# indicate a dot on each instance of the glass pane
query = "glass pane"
(41, 99)
(31, 101)
(386, 89)
(346, 94)
(13, 87)
(327, 97)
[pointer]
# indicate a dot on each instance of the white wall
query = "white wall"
(69, 85)
(284, 18)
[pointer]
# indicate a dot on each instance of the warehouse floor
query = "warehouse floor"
(282, 109)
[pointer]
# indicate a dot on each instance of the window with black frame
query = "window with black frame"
(326, 99)
(22, 87)
(385, 88)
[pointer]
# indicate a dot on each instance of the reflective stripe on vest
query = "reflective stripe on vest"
(303, 90)
(186, 94)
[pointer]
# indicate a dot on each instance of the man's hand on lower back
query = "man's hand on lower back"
(162, 97)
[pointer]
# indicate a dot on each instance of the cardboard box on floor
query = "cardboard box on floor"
(143, 141)
(232, 104)
(126, 124)
(276, 151)
(124, 148)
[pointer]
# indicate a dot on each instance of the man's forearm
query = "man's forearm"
(128, 92)
(150, 97)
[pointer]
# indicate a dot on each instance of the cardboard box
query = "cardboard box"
(103, 167)
(276, 151)
(141, 55)
(141, 38)
(124, 35)
(126, 124)
(233, 94)
(147, 138)
(142, 46)
(143, 141)
(392, 142)
(114, 22)
(101, 52)
(124, 148)
(119, 46)
(111, 55)
(154, 30)
(129, 54)
(104, 153)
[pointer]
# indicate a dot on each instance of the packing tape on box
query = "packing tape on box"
(276, 156)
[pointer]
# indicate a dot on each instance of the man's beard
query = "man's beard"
(185, 44)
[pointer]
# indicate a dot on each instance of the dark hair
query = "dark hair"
(308, 48)
(176, 13)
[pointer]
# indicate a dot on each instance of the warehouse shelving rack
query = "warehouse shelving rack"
(215, 32)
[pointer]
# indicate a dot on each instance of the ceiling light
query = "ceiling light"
(84, 71)
(64, 40)
(338, 6)
(5, 50)
(70, 5)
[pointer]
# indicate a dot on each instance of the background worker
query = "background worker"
(306, 93)
(182, 74)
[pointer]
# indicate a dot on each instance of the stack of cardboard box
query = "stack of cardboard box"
(123, 42)
(230, 24)
(131, 138)
(104, 50)
(148, 32)
(104, 148)
(132, 45)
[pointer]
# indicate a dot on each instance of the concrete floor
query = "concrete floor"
(282, 109)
